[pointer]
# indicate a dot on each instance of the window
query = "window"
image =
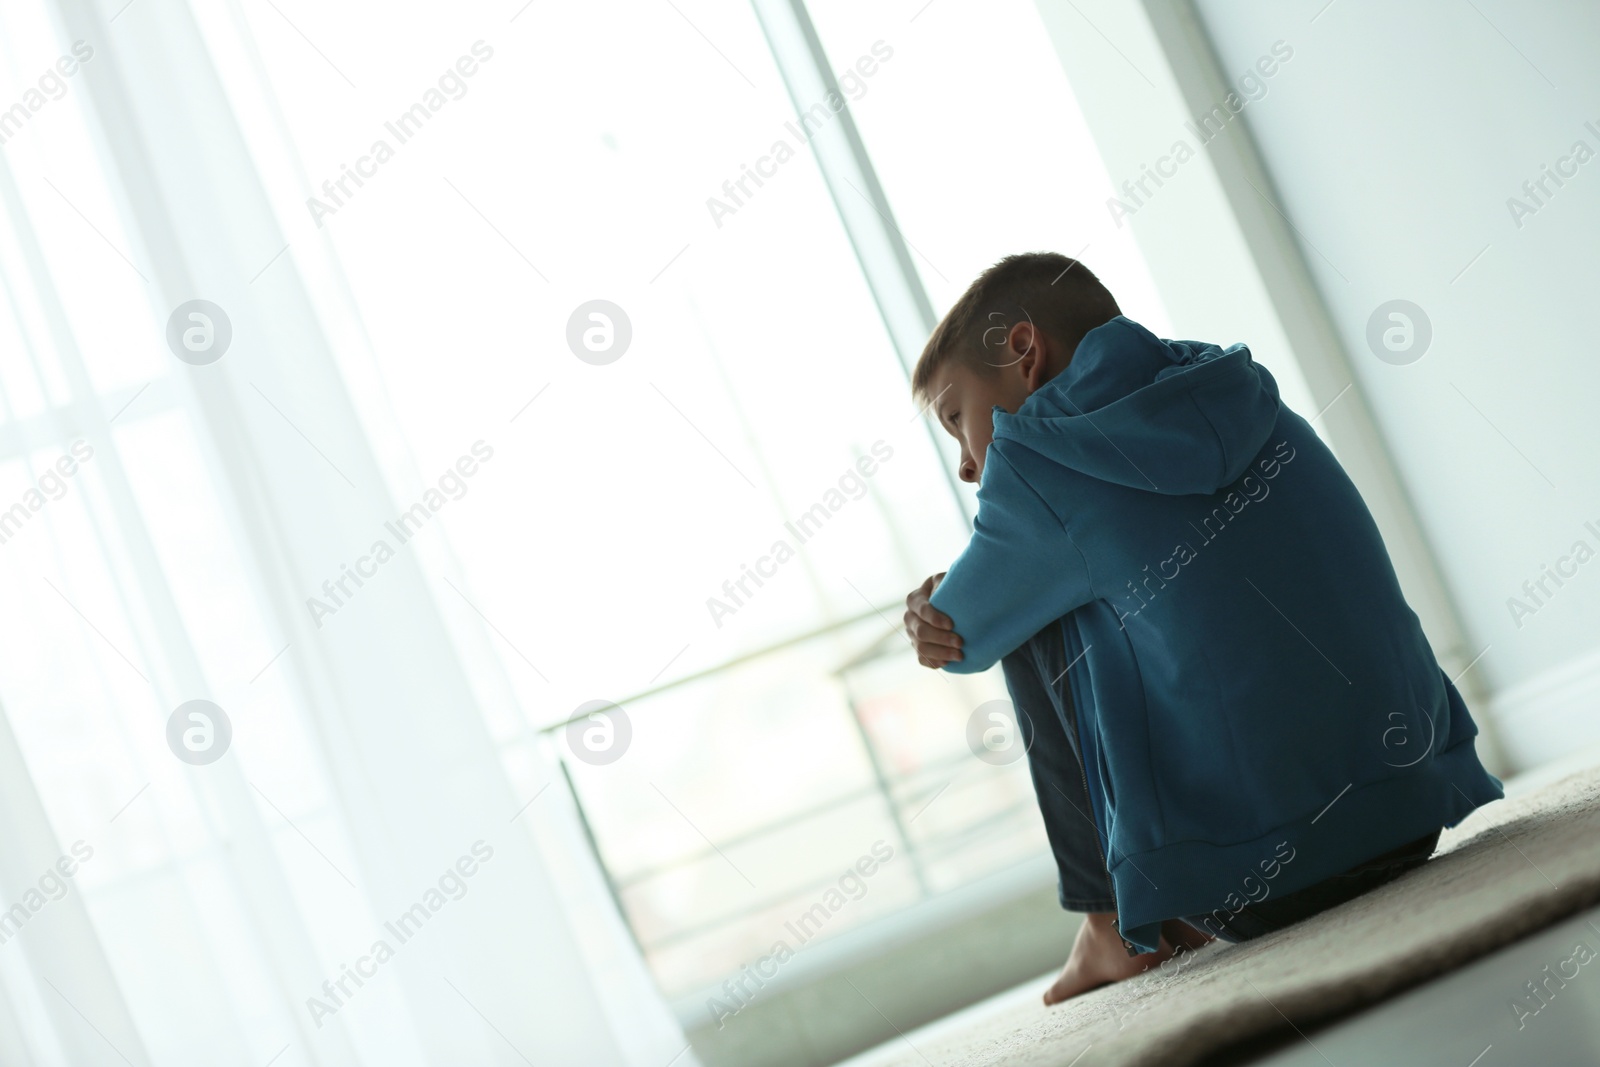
(618, 515)
(777, 731)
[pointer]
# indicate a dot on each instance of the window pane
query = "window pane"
(985, 160)
(758, 376)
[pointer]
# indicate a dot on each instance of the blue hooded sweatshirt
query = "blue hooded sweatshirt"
(1257, 706)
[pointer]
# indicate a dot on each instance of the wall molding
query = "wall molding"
(1551, 715)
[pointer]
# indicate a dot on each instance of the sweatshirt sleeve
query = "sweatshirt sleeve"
(1019, 572)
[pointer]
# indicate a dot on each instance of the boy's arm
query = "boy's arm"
(1019, 572)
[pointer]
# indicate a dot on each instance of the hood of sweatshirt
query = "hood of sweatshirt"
(1173, 417)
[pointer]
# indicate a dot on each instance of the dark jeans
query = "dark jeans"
(1036, 677)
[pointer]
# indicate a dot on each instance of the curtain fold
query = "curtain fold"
(354, 881)
(59, 948)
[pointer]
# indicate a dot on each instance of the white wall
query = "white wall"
(1394, 137)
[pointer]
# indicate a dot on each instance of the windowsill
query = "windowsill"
(878, 936)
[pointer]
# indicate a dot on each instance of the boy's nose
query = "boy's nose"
(968, 471)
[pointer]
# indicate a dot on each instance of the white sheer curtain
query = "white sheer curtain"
(215, 912)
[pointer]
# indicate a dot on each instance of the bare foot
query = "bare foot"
(1099, 958)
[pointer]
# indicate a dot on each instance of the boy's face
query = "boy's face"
(964, 399)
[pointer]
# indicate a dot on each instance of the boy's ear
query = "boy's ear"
(1026, 345)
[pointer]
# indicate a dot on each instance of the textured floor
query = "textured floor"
(1475, 1016)
(1509, 870)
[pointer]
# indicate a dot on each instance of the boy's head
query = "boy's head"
(1014, 329)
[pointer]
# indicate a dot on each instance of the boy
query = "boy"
(1233, 719)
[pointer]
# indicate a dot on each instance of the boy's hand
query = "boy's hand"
(931, 630)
